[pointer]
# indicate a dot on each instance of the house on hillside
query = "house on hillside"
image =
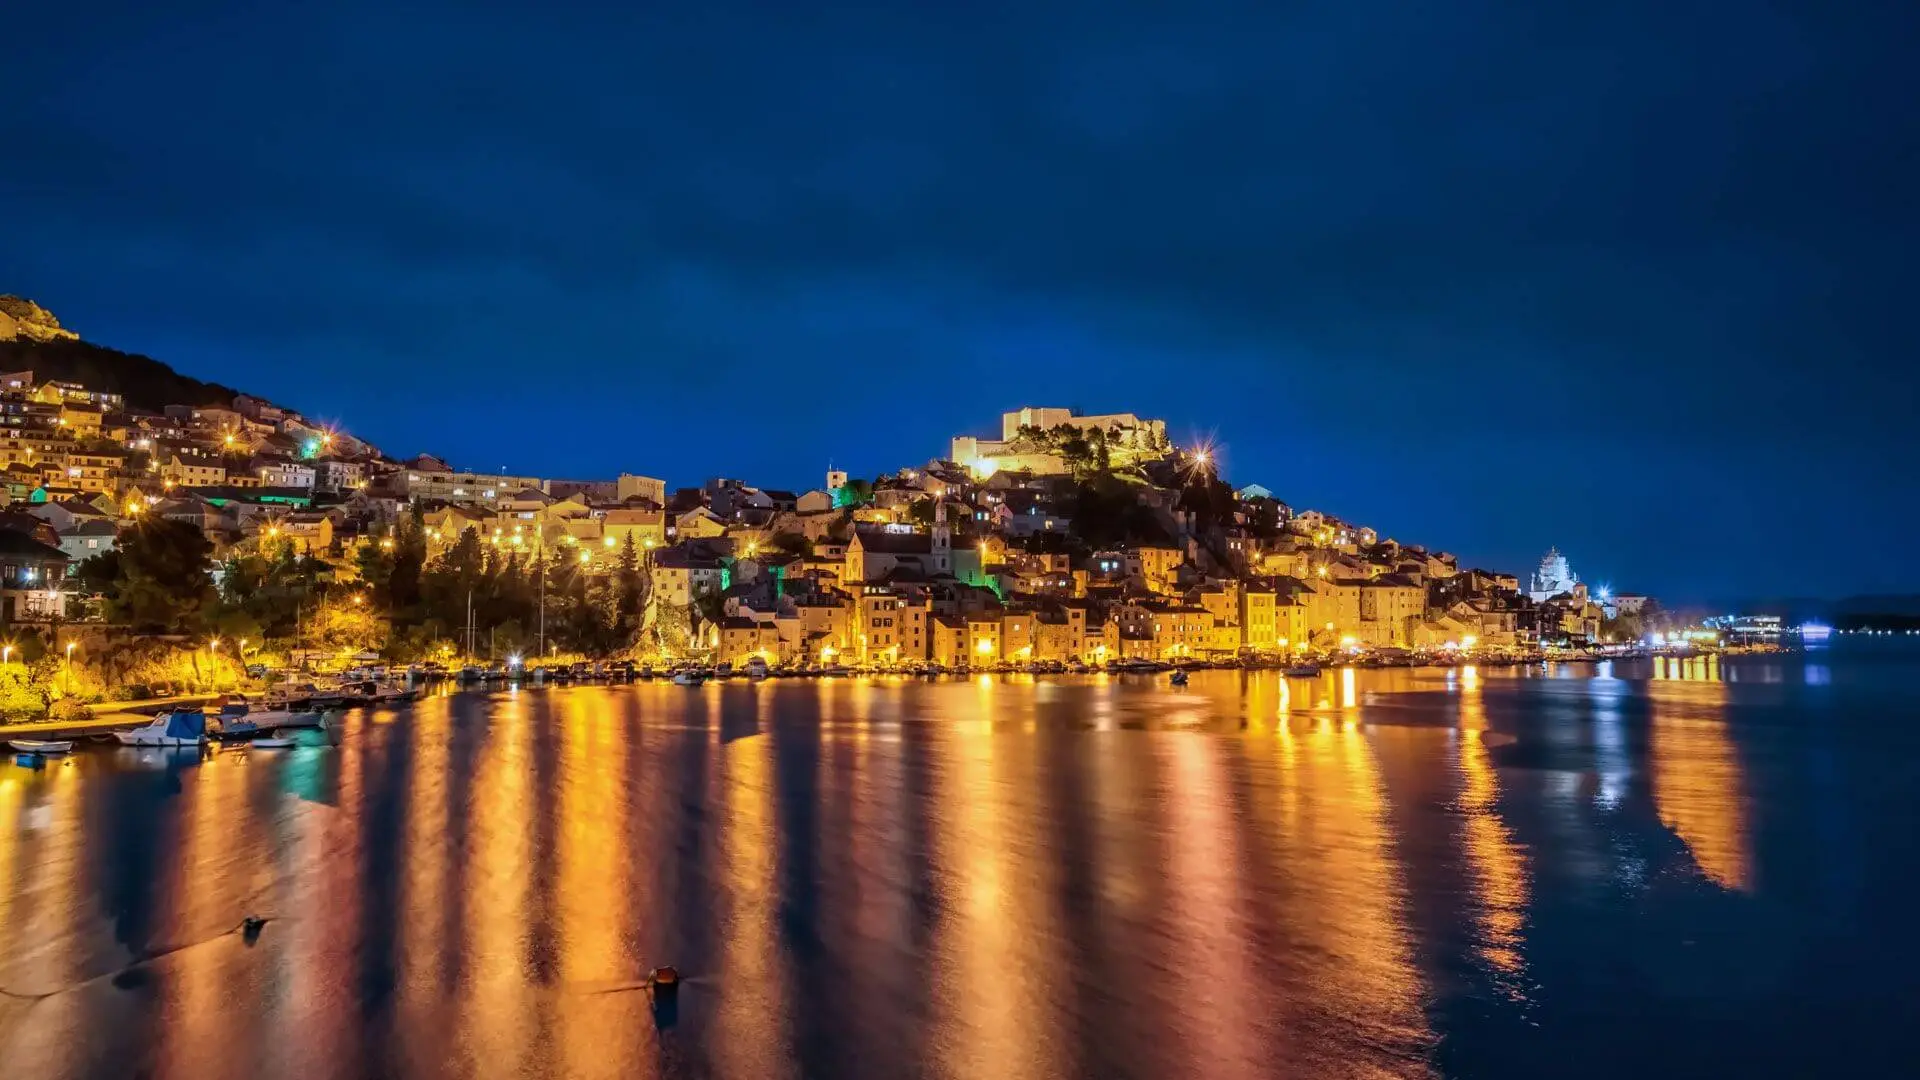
(96, 536)
(30, 577)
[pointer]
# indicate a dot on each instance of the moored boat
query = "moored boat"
(177, 727)
(237, 724)
(41, 746)
(756, 668)
(1178, 678)
(1302, 671)
(689, 677)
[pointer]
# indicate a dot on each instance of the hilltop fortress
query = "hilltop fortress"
(1045, 442)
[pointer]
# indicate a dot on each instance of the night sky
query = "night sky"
(1629, 278)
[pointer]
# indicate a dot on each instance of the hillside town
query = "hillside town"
(1060, 539)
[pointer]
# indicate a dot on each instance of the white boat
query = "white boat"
(281, 742)
(373, 693)
(180, 727)
(241, 722)
(756, 668)
(689, 677)
(41, 746)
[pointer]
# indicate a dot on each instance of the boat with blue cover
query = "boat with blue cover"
(176, 727)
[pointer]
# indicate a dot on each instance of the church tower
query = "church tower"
(942, 539)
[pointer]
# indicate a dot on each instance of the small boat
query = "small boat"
(276, 742)
(1302, 671)
(179, 727)
(41, 746)
(368, 692)
(297, 696)
(1178, 678)
(235, 725)
(756, 668)
(689, 677)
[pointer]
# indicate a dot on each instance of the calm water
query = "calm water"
(1694, 869)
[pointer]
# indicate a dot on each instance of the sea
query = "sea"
(1667, 867)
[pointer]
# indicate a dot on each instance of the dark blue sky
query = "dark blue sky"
(1630, 278)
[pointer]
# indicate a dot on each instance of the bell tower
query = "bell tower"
(942, 539)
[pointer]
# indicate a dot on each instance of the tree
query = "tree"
(101, 573)
(163, 584)
(376, 560)
(1079, 454)
(855, 492)
(343, 625)
(791, 543)
(632, 587)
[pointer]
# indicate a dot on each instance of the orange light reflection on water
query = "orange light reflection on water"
(492, 1029)
(1698, 782)
(1329, 811)
(1204, 887)
(1497, 862)
(749, 1039)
